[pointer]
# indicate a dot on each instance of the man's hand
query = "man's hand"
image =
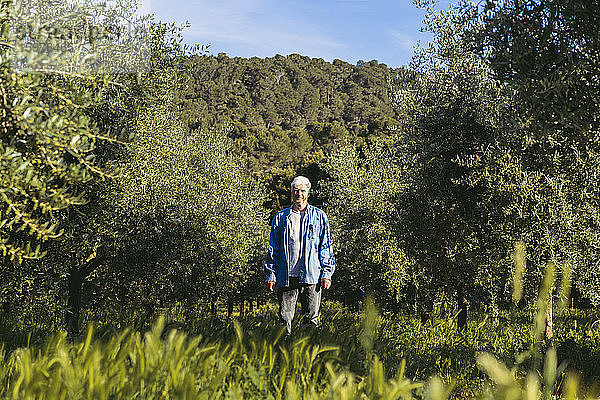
(325, 283)
(270, 285)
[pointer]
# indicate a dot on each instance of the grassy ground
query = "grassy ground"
(436, 347)
(366, 346)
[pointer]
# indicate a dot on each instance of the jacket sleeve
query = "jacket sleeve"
(272, 260)
(326, 256)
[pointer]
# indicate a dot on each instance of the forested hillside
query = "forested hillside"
(285, 114)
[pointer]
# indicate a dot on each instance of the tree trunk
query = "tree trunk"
(242, 307)
(462, 310)
(229, 307)
(426, 310)
(75, 281)
(5, 310)
(73, 302)
(411, 295)
(148, 311)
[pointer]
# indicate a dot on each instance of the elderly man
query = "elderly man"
(300, 258)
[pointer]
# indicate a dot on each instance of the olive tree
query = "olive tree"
(450, 107)
(542, 169)
(69, 107)
(362, 191)
(192, 224)
(50, 145)
(47, 142)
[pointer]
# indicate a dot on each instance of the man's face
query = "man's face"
(300, 195)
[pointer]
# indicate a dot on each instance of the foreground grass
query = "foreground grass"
(172, 365)
(349, 356)
(436, 347)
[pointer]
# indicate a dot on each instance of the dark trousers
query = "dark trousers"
(310, 300)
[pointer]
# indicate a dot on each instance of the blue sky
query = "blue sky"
(351, 30)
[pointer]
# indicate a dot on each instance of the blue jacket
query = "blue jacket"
(319, 261)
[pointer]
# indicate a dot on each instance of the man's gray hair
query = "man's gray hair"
(300, 180)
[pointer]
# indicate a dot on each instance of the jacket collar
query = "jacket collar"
(288, 211)
(291, 208)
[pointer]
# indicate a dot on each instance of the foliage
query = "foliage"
(345, 356)
(192, 220)
(84, 109)
(410, 222)
(362, 191)
(48, 144)
(451, 108)
(546, 52)
(501, 157)
(540, 171)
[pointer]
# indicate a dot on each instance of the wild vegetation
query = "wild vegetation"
(349, 356)
(461, 191)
